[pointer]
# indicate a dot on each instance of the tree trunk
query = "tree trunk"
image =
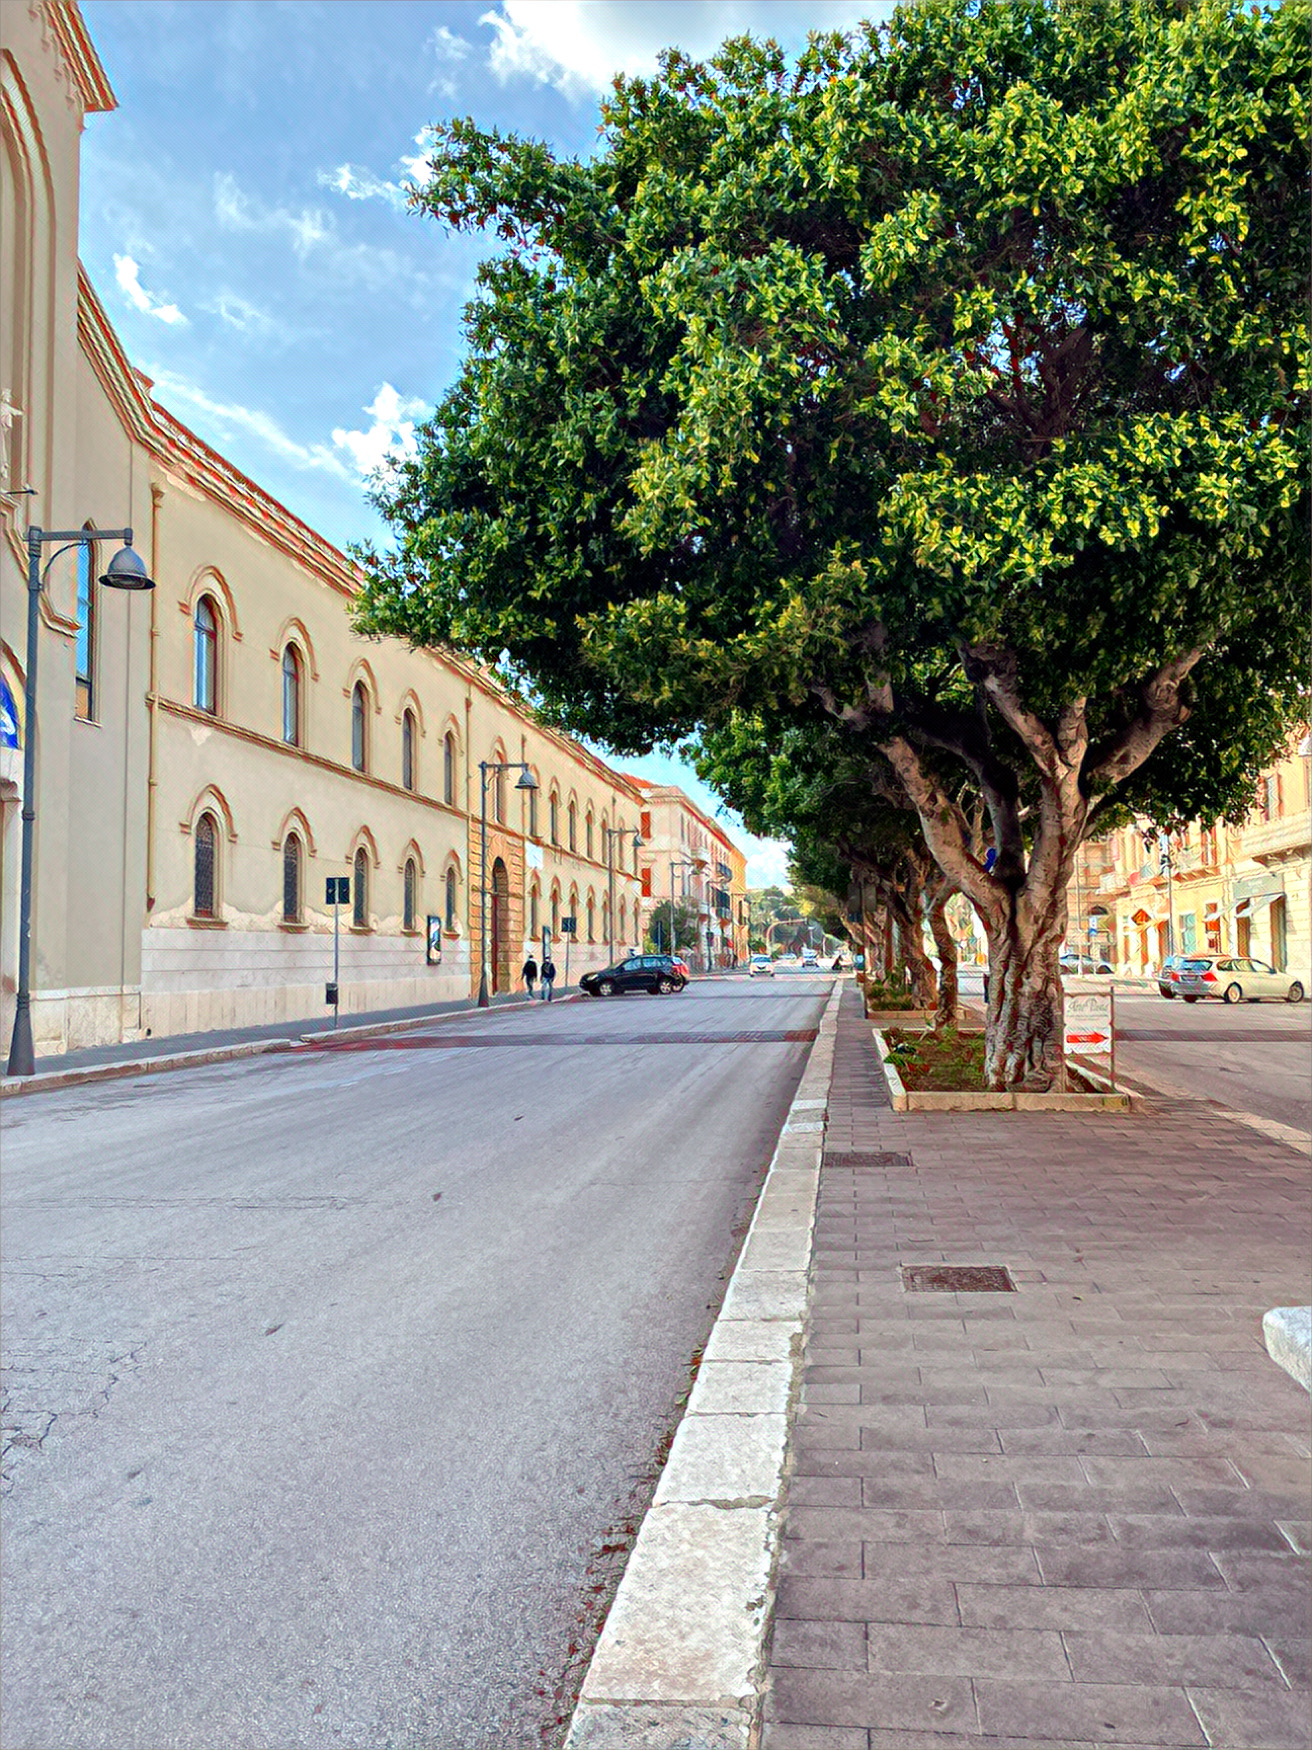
(1023, 1047)
(949, 1001)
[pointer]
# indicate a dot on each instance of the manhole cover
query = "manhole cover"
(957, 1279)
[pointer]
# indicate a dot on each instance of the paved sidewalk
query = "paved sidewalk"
(1068, 1516)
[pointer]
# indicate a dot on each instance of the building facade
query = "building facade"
(1140, 894)
(688, 859)
(209, 753)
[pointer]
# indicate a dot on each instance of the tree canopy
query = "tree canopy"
(949, 383)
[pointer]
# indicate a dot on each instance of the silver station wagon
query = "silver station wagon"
(1233, 979)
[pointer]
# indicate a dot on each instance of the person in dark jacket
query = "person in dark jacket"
(530, 975)
(548, 978)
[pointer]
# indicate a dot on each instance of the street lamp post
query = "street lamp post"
(612, 834)
(696, 864)
(526, 782)
(126, 571)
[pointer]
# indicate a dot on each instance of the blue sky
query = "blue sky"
(243, 217)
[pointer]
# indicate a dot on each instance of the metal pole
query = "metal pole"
(1170, 895)
(22, 1059)
(337, 987)
(673, 933)
(484, 1000)
(610, 893)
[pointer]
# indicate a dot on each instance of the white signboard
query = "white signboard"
(1089, 1022)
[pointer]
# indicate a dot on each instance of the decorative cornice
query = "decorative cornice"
(80, 57)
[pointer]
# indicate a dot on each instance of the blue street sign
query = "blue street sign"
(8, 716)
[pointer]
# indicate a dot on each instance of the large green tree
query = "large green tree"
(948, 383)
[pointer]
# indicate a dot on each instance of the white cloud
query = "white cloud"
(415, 169)
(767, 860)
(236, 211)
(240, 313)
(446, 46)
(390, 438)
(579, 45)
(171, 387)
(361, 185)
(128, 275)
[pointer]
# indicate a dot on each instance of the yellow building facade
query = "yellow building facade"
(690, 858)
(210, 753)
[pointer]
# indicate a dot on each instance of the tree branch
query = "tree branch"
(1161, 709)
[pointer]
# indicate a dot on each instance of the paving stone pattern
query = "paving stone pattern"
(1070, 1516)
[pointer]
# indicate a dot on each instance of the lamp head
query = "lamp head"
(127, 570)
(638, 841)
(526, 780)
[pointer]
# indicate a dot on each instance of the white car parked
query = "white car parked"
(760, 966)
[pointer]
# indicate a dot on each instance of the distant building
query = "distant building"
(689, 858)
(209, 754)
(1139, 895)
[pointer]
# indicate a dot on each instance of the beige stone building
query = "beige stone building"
(208, 754)
(1239, 890)
(688, 857)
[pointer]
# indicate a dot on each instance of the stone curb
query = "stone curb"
(1287, 1331)
(680, 1661)
(47, 1081)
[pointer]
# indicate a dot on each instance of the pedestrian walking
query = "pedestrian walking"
(548, 977)
(530, 975)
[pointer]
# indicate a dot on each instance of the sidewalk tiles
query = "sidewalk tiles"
(1076, 1514)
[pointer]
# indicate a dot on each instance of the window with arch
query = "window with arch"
(533, 812)
(360, 727)
(587, 833)
(553, 821)
(408, 732)
(449, 768)
(84, 703)
(624, 922)
(205, 868)
(573, 911)
(573, 827)
(205, 640)
(605, 920)
(410, 911)
(451, 897)
(592, 931)
(360, 890)
(292, 885)
(498, 793)
(291, 696)
(534, 911)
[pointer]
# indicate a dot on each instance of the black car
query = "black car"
(651, 972)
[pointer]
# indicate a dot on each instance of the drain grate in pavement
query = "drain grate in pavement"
(957, 1279)
(865, 1163)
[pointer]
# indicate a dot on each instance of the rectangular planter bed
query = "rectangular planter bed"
(980, 1100)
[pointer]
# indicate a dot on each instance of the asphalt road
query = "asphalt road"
(339, 1379)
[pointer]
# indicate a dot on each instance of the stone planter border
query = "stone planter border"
(975, 1100)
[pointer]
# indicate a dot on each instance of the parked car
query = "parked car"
(1168, 974)
(649, 972)
(1233, 978)
(1083, 965)
(760, 966)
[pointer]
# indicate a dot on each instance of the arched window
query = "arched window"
(411, 891)
(592, 933)
(85, 696)
(605, 920)
(553, 822)
(291, 879)
(291, 696)
(534, 911)
(360, 727)
(624, 922)
(573, 827)
(360, 890)
(533, 813)
(451, 899)
(499, 797)
(205, 881)
(205, 626)
(587, 833)
(555, 912)
(449, 768)
(408, 753)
